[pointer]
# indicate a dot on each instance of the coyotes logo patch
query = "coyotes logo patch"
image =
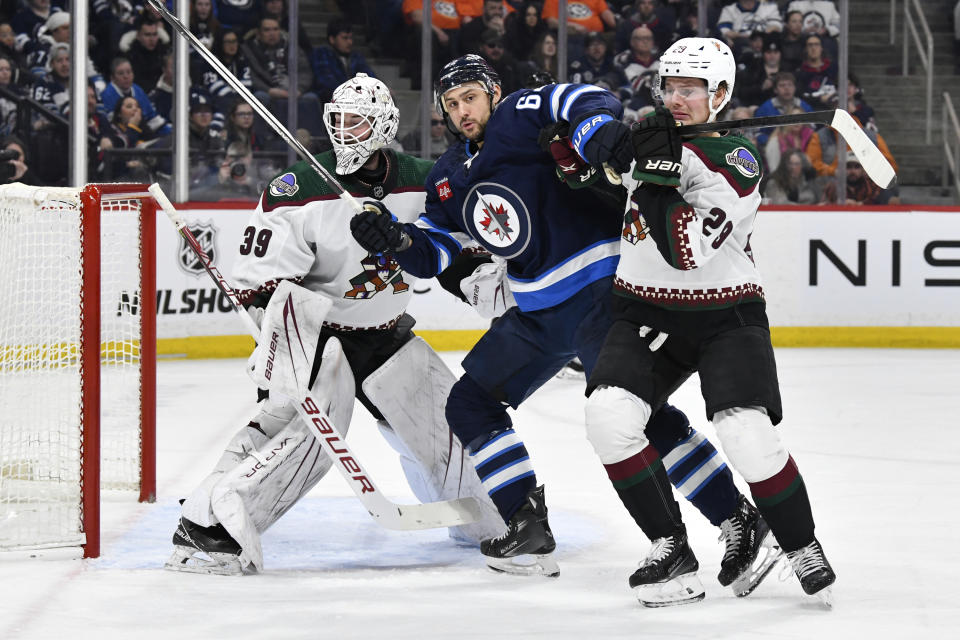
(379, 272)
(635, 227)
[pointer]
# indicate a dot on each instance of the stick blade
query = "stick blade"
(428, 515)
(870, 157)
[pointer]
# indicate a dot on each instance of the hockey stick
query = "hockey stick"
(257, 106)
(389, 514)
(872, 161)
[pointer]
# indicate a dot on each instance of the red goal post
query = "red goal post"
(77, 358)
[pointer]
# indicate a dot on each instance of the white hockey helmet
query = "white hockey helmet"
(706, 58)
(371, 100)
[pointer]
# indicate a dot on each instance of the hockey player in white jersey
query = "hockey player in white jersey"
(688, 298)
(300, 232)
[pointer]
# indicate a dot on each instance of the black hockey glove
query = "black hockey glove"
(571, 168)
(609, 144)
(376, 230)
(657, 147)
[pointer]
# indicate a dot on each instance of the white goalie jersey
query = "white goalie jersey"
(689, 248)
(300, 231)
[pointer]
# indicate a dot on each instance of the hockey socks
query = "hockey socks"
(783, 502)
(643, 487)
(504, 467)
(700, 475)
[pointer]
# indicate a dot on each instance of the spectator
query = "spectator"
(740, 19)
(755, 84)
(817, 76)
(267, 56)
(240, 128)
(8, 49)
(956, 37)
(792, 41)
(122, 85)
(819, 16)
(8, 108)
(792, 182)
(162, 94)
(22, 172)
(491, 18)
(239, 15)
(278, 9)
(336, 62)
(30, 18)
(594, 64)
(523, 28)
(446, 31)
(98, 128)
(53, 92)
(856, 104)
(583, 17)
(783, 139)
(440, 138)
(111, 19)
(125, 133)
(860, 188)
(205, 145)
(227, 49)
(237, 177)
(822, 150)
(544, 56)
(785, 88)
(203, 23)
(494, 52)
(637, 68)
(646, 13)
(146, 51)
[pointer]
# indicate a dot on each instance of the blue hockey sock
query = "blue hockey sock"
(701, 476)
(504, 467)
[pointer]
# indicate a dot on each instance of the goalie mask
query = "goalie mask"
(705, 58)
(468, 68)
(360, 118)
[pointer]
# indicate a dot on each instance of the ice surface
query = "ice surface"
(874, 432)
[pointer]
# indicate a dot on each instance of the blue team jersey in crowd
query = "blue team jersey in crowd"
(508, 198)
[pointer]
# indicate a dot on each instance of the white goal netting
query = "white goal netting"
(44, 298)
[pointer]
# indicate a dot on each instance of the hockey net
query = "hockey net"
(77, 359)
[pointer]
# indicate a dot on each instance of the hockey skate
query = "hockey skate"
(209, 550)
(525, 547)
(751, 550)
(573, 370)
(668, 575)
(814, 572)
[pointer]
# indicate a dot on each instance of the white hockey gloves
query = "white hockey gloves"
(486, 289)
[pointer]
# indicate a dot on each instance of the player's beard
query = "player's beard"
(476, 133)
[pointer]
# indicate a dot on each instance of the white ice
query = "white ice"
(874, 433)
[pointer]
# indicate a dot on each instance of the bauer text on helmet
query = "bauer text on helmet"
(360, 118)
(705, 58)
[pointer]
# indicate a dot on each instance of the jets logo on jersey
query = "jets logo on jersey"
(497, 218)
(285, 185)
(443, 189)
(744, 162)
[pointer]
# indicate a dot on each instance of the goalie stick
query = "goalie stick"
(257, 106)
(389, 514)
(872, 161)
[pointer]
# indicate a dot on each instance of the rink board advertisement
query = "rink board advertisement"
(836, 268)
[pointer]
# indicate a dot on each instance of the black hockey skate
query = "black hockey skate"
(751, 550)
(198, 549)
(668, 575)
(814, 572)
(525, 547)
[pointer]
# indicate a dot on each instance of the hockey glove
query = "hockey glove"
(609, 144)
(657, 147)
(571, 168)
(376, 230)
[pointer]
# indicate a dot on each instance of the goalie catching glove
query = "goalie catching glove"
(658, 148)
(377, 230)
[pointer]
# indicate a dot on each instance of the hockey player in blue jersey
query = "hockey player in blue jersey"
(501, 190)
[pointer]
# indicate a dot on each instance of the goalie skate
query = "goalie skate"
(208, 550)
(526, 548)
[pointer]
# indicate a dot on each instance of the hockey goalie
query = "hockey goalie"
(352, 307)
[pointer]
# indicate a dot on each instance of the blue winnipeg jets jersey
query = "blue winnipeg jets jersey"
(507, 198)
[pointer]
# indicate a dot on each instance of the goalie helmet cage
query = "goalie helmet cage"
(77, 358)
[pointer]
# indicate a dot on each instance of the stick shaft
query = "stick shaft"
(813, 117)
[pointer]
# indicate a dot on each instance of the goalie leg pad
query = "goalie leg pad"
(615, 420)
(750, 442)
(410, 390)
(263, 486)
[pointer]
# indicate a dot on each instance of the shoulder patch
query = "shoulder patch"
(284, 185)
(744, 161)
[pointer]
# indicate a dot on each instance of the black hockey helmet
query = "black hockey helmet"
(539, 79)
(468, 68)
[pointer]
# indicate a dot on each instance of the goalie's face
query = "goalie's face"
(350, 128)
(468, 107)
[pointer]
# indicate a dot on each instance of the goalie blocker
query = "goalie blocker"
(274, 461)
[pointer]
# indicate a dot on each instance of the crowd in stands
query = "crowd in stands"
(786, 53)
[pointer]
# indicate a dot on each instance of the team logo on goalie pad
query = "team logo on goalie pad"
(206, 235)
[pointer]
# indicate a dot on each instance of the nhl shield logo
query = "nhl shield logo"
(206, 235)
